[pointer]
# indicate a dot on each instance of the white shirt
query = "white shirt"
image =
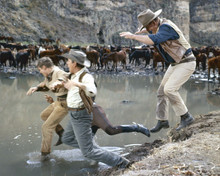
(73, 97)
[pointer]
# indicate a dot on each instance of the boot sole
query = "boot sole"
(165, 127)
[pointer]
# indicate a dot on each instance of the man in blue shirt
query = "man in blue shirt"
(174, 48)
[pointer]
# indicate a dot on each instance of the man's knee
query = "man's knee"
(43, 116)
(160, 91)
(44, 127)
(168, 90)
(67, 139)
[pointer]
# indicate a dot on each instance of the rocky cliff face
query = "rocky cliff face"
(107, 18)
(97, 21)
(205, 22)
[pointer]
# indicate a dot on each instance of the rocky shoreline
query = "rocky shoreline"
(194, 150)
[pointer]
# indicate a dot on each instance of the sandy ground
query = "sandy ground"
(194, 150)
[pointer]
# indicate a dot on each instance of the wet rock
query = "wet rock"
(127, 102)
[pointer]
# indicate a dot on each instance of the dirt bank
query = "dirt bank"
(194, 150)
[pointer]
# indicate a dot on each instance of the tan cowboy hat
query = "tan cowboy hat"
(147, 16)
(78, 56)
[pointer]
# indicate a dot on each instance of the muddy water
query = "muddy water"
(126, 100)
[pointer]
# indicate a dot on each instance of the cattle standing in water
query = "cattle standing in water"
(49, 53)
(201, 58)
(6, 55)
(22, 58)
(214, 63)
(105, 59)
(158, 58)
(93, 56)
(137, 54)
(55, 54)
(115, 57)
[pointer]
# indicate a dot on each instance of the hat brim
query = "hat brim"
(157, 13)
(86, 63)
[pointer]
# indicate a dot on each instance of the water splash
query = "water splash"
(73, 155)
(34, 158)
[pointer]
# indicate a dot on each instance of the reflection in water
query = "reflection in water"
(20, 127)
(213, 99)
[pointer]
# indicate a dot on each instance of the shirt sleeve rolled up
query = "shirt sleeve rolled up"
(165, 32)
(89, 83)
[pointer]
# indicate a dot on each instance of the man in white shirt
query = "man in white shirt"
(78, 132)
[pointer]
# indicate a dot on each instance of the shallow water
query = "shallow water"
(125, 99)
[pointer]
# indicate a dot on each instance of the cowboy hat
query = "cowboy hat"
(77, 56)
(147, 16)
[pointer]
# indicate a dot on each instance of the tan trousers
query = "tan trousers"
(173, 79)
(52, 116)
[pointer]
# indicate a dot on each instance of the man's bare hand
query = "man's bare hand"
(127, 35)
(31, 90)
(56, 85)
(49, 98)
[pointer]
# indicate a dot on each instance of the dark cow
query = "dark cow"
(137, 54)
(214, 63)
(158, 58)
(6, 55)
(10, 39)
(201, 58)
(22, 58)
(93, 56)
(104, 60)
(57, 58)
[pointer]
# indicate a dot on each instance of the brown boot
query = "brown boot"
(59, 141)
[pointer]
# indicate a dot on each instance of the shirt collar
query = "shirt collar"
(79, 72)
(49, 76)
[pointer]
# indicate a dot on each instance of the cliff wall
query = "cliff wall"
(98, 21)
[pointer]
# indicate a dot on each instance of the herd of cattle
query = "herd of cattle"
(101, 57)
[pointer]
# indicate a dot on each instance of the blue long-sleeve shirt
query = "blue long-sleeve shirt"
(165, 32)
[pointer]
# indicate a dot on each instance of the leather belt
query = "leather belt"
(187, 55)
(76, 109)
(190, 58)
(62, 98)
